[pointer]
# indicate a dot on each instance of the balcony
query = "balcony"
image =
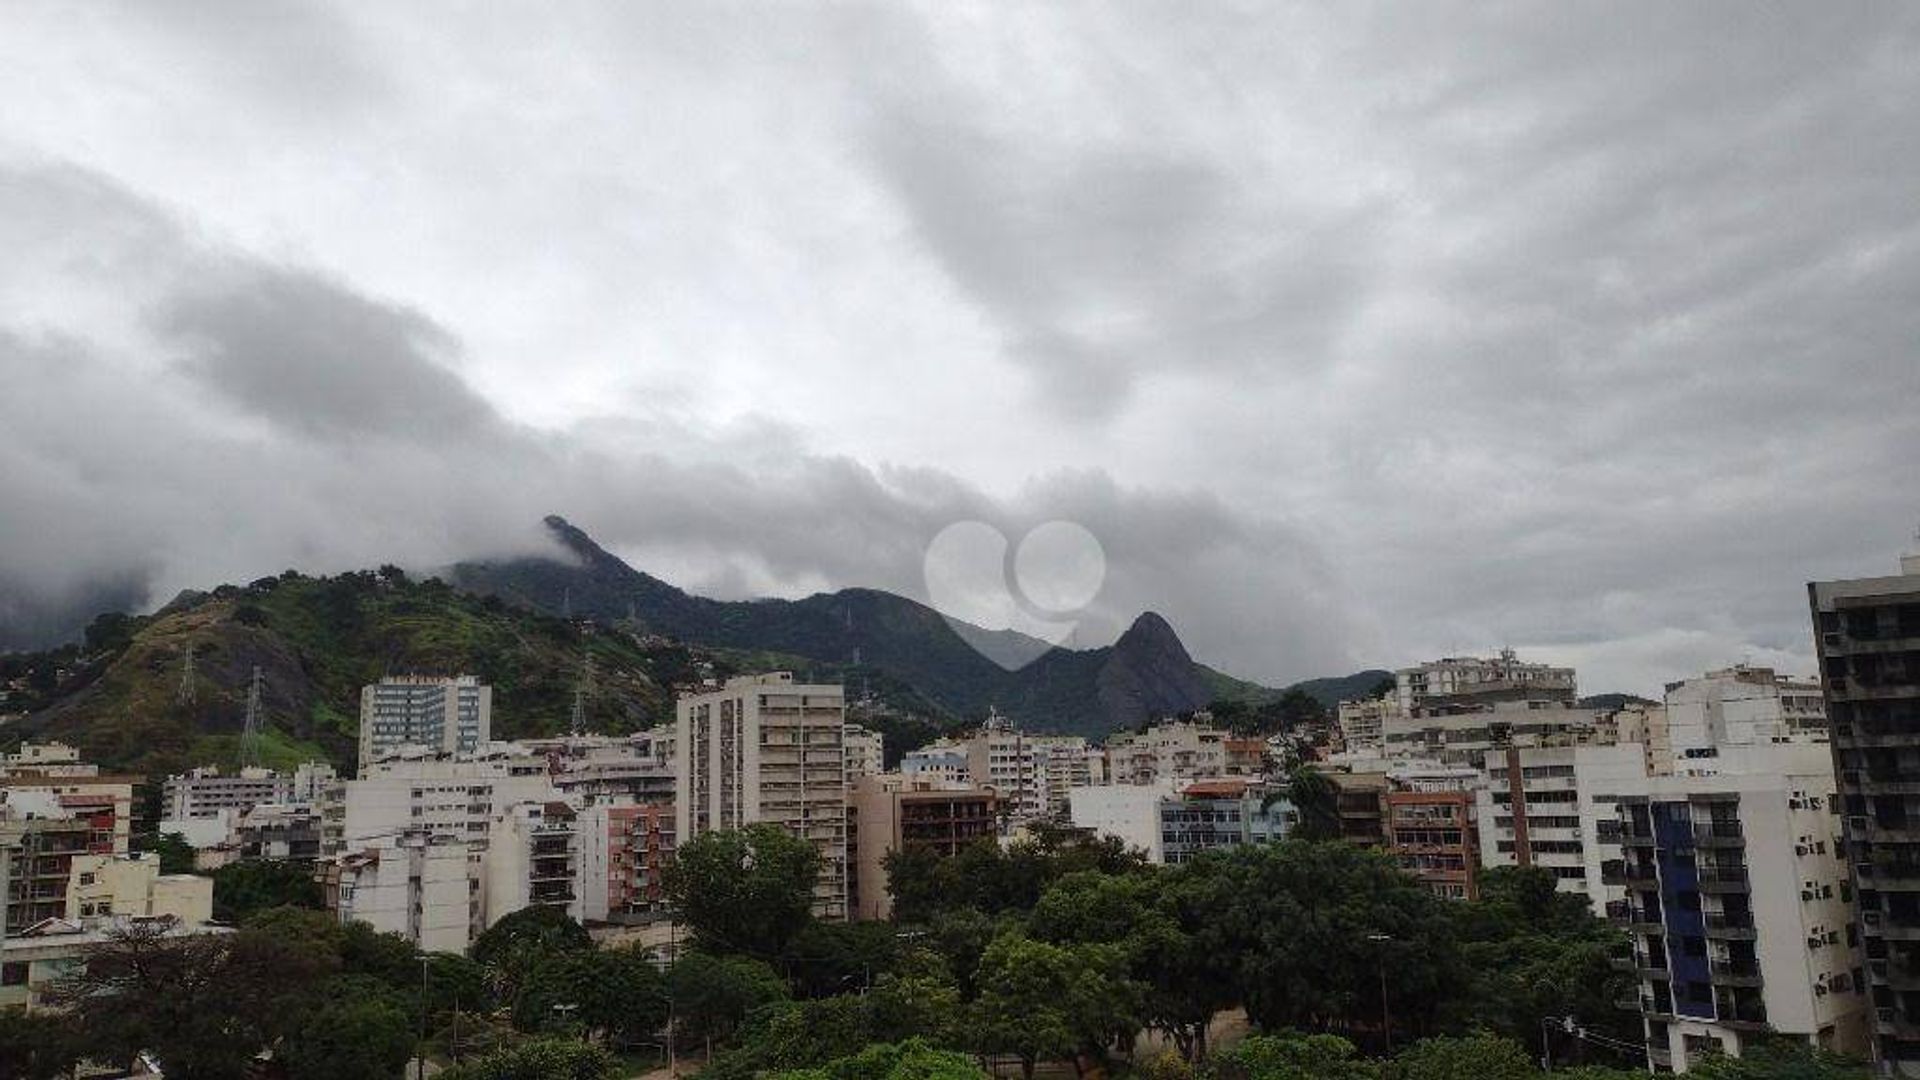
(1630, 874)
(1721, 834)
(1886, 872)
(1735, 972)
(1728, 926)
(1721, 879)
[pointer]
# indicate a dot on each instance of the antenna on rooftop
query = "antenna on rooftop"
(250, 735)
(186, 694)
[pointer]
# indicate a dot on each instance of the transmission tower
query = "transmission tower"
(186, 693)
(581, 691)
(250, 735)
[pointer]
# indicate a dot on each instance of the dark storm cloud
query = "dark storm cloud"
(300, 423)
(1390, 330)
(316, 358)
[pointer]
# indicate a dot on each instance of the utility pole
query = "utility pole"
(250, 735)
(420, 1071)
(1386, 1014)
(185, 695)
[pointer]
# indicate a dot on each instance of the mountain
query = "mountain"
(316, 641)
(856, 633)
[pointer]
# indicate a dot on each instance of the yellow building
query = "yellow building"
(133, 886)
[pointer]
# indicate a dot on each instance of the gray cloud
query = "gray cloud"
(1356, 335)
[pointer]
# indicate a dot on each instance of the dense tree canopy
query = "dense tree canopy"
(745, 890)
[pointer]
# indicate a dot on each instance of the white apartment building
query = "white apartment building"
(534, 860)
(1562, 793)
(1171, 750)
(1465, 736)
(865, 751)
(1010, 763)
(942, 761)
(101, 886)
(206, 792)
(1740, 706)
(1130, 812)
(1475, 681)
(1646, 727)
(1068, 762)
(1738, 904)
(417, 885)
(436, 793)
(451, 715)
(763, 748)
(1363, 723)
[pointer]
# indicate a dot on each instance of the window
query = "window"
(13, 973)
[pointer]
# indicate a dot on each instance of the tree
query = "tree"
(242, 888)
(1781, 1058)
(1041, 1001)
(512, 948)
(40, 1047)
(910, 1059)
(360, 1033)
(616, 993)
(744, 890)
(1290, 1056)
(1312, 929)
(832, 958)
(1473, 1057)
(390, 958)
(1314, 799)
(204, 1004)
(541, 1059)
(712, 995)
(176, 855)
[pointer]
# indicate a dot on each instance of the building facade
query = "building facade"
(1737, 904)
(763, 748)
(1867, 637)
(896, 813)
(451, 715)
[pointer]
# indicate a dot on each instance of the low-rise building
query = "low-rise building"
(1168, 752)
(33, 962)
(279, 831)
(866, 751)
(1208, 815)
(1128, 812)
(132, 885)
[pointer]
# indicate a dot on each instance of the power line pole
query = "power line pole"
(185, 695)
(250, 735)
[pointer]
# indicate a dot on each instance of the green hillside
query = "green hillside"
(317, 641)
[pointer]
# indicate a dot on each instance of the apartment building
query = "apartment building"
(279, 831)
(1168, 752)
(1474, 682)
(1362, 724)
(1358, 800)
(900, 813)
(36, 867)
(451, 715)
(207, 792)
(103, 802)
(1543, 805)
(1645, 726)
(415, 884)
(1207, 815)
(613, 770)
(1012, 764)
(1737, 903)
(1127, 812)
(1740, 706)
(942, 761)
(1068, 762)
(435, 793)
(532, 860)
(34, 961)
(865, 750)
(763, 748)
(99, 886)
(624, 852)
(1867, 638)
(1435, 836)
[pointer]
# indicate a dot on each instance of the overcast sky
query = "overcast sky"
(1355, 335)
